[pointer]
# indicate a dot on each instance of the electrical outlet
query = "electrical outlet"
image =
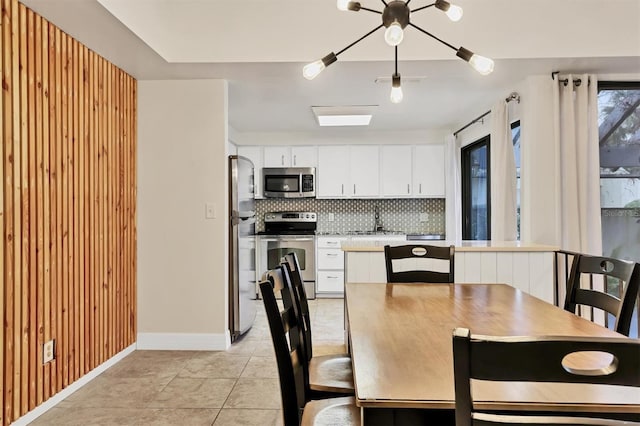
(331, 217)
(424, 217)
(48, 352)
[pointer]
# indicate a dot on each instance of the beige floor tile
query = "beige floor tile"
(193, 393)
(260, 367)
(219, 365)
(87, 417)
(115, 392)
(248, 417)
(176, 416)
(255, 393)
(181, 387)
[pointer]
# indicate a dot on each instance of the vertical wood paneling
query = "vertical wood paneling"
(67, 209)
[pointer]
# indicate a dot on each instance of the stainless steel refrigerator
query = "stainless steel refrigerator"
(242, 246)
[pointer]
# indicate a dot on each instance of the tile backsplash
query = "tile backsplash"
(398, 214)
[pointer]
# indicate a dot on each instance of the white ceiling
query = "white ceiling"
(260, 46)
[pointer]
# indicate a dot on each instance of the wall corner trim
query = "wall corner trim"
(64, 393)
(184, 341)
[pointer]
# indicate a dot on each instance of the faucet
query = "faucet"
(378, 223)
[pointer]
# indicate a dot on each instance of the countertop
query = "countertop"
(369, 245)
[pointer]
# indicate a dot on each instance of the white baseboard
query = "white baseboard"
(184, 341)
(55, 399)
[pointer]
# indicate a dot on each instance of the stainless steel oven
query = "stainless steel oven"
(289, 232)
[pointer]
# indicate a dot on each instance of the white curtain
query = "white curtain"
(454, 190)
(503, 176)
(576, 124)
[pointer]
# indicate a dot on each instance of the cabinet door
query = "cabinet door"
(364, 171)
(332, 173)
(277, 156)
(428, 171)
(396, 170)
(304, 156)
(254, 153)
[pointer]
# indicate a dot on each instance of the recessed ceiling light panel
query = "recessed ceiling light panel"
(351, 115)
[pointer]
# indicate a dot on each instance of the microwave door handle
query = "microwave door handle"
(300, 188)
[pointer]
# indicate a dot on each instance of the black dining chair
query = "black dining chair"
(297, 407)
(537, 359)
(325, 376)
(626, 273)
(419, 253)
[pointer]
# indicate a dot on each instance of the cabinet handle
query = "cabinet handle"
(354, 189)
(420, 188)
(295, 162)
(332, 254)
(282, 159)
(332, 242)
(408, 190)
(343, 189)
(331, 277)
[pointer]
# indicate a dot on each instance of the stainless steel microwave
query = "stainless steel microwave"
(289, 182)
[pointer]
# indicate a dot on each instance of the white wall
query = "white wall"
(182, 257)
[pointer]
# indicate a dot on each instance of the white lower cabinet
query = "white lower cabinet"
(330, 264)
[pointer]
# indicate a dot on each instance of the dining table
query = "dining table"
(400, 341)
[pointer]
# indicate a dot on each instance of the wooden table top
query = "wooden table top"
(401, 346)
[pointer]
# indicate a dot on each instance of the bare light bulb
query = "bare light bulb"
(343, 4)
(454, 13)
(396, 89)
(481, 64)
(394, 34)
(311, 71)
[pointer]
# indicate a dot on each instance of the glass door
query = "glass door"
(476, 207)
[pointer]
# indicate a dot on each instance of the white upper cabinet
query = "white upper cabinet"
(277, 156)
(304, 156)
(428, 171)
(364, 164)
(294, 156)
(396, 170)
(348, 171)
(333, 171)
(254, 153)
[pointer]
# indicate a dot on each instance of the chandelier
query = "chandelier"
(395, 18)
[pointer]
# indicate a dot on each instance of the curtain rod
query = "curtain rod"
(514, 96)
(577, 81)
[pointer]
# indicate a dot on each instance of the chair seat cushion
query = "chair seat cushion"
(331, 412)
(331, 373)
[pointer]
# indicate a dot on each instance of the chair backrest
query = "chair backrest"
(285, 335)
(626, 272)
(392, 253)
(292, 266)
(280, 278)
(536, 359)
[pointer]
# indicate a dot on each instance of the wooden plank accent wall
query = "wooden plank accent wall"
(67, 209)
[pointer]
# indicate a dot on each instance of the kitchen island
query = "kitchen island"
(526, 266)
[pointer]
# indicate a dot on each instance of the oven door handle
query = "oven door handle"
(286, 240)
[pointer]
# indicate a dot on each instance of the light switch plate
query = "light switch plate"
(424, 217)
(210, 211)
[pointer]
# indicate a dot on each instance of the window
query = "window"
(619, 140)
(476, 207)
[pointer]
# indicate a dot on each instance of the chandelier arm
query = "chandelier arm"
(361, 38)
(370, 10)
(434, 37)
(423, 7)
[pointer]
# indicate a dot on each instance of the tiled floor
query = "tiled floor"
(236, 387)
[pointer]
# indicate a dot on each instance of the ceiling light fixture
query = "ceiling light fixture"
(395, 18)
(351, 115)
